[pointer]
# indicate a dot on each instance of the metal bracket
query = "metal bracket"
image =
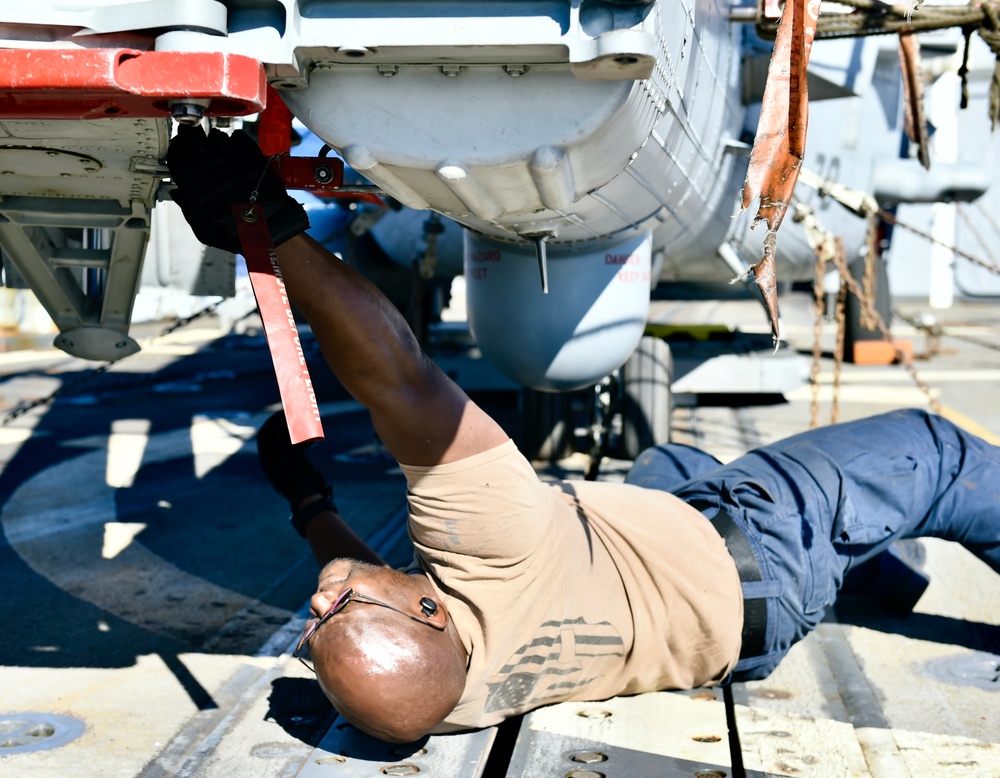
(88, 290)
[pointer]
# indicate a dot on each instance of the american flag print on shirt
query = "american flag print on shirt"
(558, 659)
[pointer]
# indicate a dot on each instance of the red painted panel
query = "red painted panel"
(102, 83)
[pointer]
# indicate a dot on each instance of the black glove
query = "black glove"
(212, 173)
(290, 472)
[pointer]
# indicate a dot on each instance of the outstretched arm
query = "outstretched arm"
(330, 537)
(420, 414)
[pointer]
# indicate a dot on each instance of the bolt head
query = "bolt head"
(323, 174)
(187, 113)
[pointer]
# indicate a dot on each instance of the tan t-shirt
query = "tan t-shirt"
(571, 591)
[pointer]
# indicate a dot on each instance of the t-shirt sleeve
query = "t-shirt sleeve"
(485, 506)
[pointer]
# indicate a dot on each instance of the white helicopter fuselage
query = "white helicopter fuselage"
(593, 147)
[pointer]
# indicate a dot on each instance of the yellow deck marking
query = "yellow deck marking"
(969, 425)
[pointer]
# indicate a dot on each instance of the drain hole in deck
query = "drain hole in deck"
(401, 769)
(26, 732)
(589, 757)
(976, 668)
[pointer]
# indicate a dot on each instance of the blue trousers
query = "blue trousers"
(816, 505)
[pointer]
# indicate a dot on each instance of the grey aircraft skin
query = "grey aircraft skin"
(601, 146)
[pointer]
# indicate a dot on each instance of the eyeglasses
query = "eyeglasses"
(346, 596)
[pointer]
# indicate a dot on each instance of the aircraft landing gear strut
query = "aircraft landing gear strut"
(620, 416)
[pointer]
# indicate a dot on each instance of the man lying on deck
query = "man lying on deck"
(524, 593)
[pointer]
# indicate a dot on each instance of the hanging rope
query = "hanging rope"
(989, 31)
(871, 17)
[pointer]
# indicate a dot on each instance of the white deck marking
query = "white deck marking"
(11, 436)
(71, 543)
(214, 439)
(894, 396)
(65, 542)
(118, 535)
(125, 449)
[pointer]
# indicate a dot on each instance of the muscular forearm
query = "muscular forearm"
(419, 413)
(331, 538)
(363, 338)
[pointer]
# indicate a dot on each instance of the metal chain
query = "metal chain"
(871, 259)
(103, 367)
(987, 215)
(954, 249)
(826, 248)
(29, 406)
(819, 308)
(936, 331)
(177, 323)
(976, 234)
(868, 311)
(838, 352)
(866, 206)
(830, 249)
(874, 17)
(883, 329)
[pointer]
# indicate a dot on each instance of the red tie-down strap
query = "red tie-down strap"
(294, 384)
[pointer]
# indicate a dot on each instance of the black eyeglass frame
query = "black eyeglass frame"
(343, 599)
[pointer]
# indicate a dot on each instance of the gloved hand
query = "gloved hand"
(291, 473)
(215, 171)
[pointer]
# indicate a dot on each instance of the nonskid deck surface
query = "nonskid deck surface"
(154, 594)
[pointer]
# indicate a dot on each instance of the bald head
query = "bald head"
(391, 676)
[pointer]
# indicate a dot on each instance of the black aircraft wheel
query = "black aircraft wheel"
(645, 401)
(547, 424)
